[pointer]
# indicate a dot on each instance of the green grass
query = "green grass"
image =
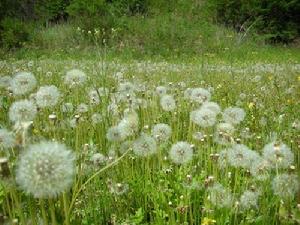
(157, 191)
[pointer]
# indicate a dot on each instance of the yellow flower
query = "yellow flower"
(251, 104)
(298, 78)
(207, 221)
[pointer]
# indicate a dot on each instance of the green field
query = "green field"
(114, 138)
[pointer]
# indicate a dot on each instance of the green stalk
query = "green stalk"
(66, 210)
(52, 212)
(44, 214)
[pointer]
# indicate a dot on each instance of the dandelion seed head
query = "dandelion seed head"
(161, 132)
(200, 95)
(23, 83)
(75, 77)
(181, 153)
(234, 115)
(7, 139)
(203, 117)
(285, 185)
(47, 96)
(22, 111)
(168, 103)
(46, 169)
(144, 146)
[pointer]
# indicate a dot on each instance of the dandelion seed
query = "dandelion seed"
(249, 200)
(203, 117)
(161, 132)
(161, 90)
(181, 153)
(144, 146)
(285, 185)
(22, 83)
(47, 96)
(82, 108)
(7, 139)
(219, 196)
(233, 115)
(224, 133)
(98, 159)
(279, 155)
(67, 107)
(46, 169)
(5, 81)
(211, 106)
(200, 95)
(115, 134)
(168, 103)
(22, 111)
(75, 77)
(96, 118)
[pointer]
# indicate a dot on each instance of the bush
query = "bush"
(13, 33)
(278, 20)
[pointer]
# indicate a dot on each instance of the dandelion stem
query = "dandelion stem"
(52, 212)
(92, 177)
(65, 201)
(44, 214)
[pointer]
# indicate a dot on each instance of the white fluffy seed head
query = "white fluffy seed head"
(220, 197)
(168, 103)
(161, 90)
(144, 146)
(161, 132)
(181, 153)
(7, 139)
(46, 169)
(224, 133)
(23, 83)
(200, 95)
(233, 115)
(75, 77)
(47, 96)
(249, 200)
(22, 111)
(278, 155)
(211, 106)
(115, 134)
(285, 185)
(203, 117)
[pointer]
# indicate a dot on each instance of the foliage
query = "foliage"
(14, 32)
(278, 20)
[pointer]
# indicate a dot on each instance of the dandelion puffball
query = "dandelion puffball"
(46, 169)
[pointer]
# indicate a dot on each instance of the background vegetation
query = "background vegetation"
(148, 27)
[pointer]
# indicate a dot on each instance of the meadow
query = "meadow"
(107, 141)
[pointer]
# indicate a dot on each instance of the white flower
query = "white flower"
(168, 103)
(22, 111)
(47, 96)
(181, 153)
(94, 97)
(233, 115)
(203, 117)
(23, 83)
(46, 169)
(75, 77)
(144, 146)
(224, 133)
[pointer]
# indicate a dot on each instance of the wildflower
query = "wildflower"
(233, 115)
(46, 169)
(181, 153)
(285, 185)
(278, 155)
(129, 124)
(98, 159)
(115, 134)
(75, 77)
(144, 146)
(241, 156)
(7, 139)
(22, 111)
(5, 81)
(219, 196)
(96, 118)
(47, 96)
(203, 117)
(200, 95)
(161, 132)
(249, 200)
(23, 83)
(208, 221)
(168, 103)
(224, 133)
(94, 97)
(82, 108)
(211, 106)
(161, 90)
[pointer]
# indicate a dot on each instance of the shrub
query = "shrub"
(278, 20)
(13, 33)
